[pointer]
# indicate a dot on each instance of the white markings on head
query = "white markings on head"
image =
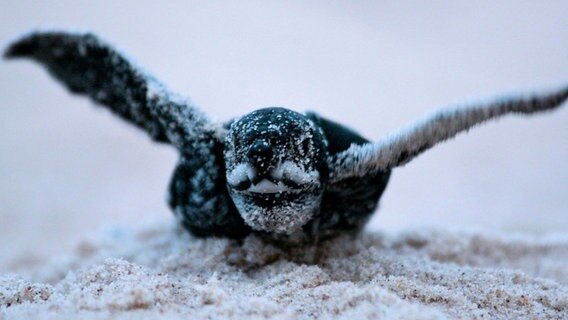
(240, 173)
(292, 171)
(286, 177)
(265, 186)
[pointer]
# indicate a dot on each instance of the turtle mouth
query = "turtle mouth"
(282, 213)
(266, 186)
(286, 177)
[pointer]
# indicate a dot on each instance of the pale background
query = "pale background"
(67, 168)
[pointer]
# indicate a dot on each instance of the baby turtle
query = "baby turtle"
(289, 177)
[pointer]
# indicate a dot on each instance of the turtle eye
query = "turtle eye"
(240, 177)
(290, 183)
(242, 185)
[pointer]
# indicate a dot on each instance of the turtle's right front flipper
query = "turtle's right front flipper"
(88, 66)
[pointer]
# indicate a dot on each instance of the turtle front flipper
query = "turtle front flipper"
(401, 147)
(88, 66)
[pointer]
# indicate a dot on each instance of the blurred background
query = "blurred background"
(68, 169)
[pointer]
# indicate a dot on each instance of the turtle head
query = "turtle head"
(276, 169)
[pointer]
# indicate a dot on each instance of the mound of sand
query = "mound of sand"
(160, 272)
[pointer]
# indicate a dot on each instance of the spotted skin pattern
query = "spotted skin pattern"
(290, 178)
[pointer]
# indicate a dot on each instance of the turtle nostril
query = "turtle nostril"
(260, 152)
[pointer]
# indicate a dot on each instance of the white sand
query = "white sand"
(160, 272)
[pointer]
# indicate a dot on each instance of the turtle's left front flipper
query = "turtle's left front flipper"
(88, 66)
(403, 146)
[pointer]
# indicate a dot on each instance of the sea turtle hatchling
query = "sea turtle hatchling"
(289, 177)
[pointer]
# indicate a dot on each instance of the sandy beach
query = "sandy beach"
(86, 232)
(160, 272)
